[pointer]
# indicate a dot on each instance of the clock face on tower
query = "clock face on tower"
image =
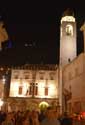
(69, 30)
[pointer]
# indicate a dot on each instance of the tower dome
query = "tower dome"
(68, 12)
(68, 16)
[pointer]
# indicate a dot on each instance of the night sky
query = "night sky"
(33, 30)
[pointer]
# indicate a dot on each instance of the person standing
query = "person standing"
(35, 118)
(66, 120)
(51, 118)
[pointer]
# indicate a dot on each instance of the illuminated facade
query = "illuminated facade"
(34, 83)
(74, 83)
(29, 83)
(67, 38)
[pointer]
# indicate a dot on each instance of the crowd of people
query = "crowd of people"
(47, 117)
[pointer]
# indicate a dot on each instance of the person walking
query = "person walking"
(51, 118)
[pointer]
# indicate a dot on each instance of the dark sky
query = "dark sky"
(33, 30)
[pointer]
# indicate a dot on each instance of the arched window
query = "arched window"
(69, 30)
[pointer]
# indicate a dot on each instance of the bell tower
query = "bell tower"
(68, 45)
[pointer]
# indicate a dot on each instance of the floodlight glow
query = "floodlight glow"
(44, 103)
(68, 19)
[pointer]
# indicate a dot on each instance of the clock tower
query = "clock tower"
(68, 37)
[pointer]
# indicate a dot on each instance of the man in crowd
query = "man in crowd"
(51, 118)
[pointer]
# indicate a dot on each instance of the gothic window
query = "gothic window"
(33, 89)
(69, 30)
(46, 91)
(20, 90)
(36, 88)
(30, 89)
(46, 87)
